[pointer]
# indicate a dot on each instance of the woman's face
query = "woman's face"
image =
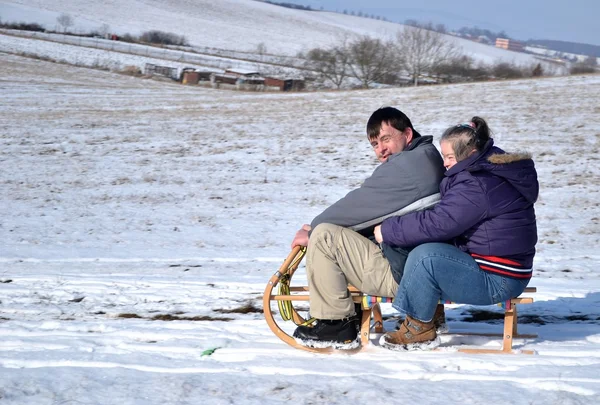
(447, 154)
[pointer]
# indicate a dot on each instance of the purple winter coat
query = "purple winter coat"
(486, 210)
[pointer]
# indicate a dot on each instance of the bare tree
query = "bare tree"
(65, 21)
(331, 64)
(104, 30)
(371, 60)
(261, 50)
(422, 49)
(590, 61)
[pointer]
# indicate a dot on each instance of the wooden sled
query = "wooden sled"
(371, 314)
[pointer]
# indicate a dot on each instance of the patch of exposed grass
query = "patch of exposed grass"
(168, 317)
(247, 308)
(128, 316)
(578, 318)
(478, 315)
(171, 317)
(536, 319)
(494, 317)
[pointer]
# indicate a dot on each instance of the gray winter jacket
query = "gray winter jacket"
(408, 181)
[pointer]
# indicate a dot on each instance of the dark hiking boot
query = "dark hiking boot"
(358, 316)
(412, 335)
(339, 334)
(439, 320)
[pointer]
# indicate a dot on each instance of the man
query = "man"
(341, 246)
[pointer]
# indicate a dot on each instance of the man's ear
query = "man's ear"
(409, 135)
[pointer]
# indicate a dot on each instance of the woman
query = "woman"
(476, 246)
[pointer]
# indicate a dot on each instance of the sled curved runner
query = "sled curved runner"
(369, 304)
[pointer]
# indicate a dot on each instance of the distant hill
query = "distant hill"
(232, 25)
(567, 47)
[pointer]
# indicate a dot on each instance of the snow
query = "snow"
(124, 199)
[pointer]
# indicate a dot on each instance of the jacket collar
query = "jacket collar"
(416, 142)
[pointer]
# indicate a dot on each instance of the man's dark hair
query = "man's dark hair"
(391, 116)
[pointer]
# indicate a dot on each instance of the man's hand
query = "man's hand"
(301, 238)
(378, 235)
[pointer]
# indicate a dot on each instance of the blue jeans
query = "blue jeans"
(437, 271)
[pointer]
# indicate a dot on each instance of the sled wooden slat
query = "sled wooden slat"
(371, 314)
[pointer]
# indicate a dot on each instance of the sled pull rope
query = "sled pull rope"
(285, 307)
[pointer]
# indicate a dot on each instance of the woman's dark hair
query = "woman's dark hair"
(466, 137)
(391, 116)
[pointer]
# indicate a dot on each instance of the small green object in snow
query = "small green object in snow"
(208, 352)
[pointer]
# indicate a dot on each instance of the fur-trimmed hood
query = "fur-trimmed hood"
(516, 168)
(504, 158)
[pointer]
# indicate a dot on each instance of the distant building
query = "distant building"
(193, 76)
(509, 44)
(156, 70)
(189, 76)
(237, 80)
(285, 84)
(218, 78)
(241, 73)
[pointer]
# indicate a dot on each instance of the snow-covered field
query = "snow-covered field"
(127, 202)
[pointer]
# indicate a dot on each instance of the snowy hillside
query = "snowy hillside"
(227, 24)
(129, 202)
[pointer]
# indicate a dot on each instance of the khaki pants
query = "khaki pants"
(337, 257)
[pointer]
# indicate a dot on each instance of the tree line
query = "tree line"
(417, 55)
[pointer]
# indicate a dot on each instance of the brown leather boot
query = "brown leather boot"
(412, 335)
(439, 320)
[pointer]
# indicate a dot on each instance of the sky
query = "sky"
(574, 20)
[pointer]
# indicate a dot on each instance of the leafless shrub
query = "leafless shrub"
(460, 69)
(131, 70)
(163, 38)
(504, 70)
(589, 65)
(128, 38)
(23, 26)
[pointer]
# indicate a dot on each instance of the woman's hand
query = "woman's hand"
(378, 235)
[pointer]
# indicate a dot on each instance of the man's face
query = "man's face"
(390, 141)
